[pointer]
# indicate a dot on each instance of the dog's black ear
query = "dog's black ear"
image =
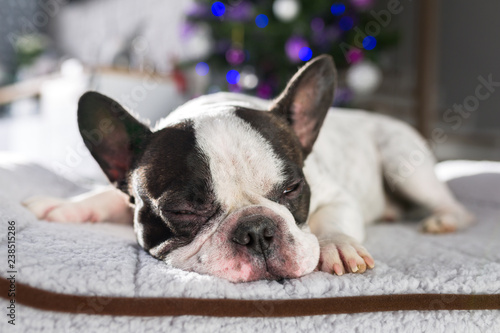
(307, 98)
(113, 136)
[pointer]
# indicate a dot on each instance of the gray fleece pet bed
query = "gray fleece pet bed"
(105, 260)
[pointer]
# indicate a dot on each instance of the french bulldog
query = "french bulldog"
(246, 189)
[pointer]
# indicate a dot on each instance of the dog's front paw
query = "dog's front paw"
(59, 210)
(340, 254)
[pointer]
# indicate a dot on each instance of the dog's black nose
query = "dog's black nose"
(256, 232)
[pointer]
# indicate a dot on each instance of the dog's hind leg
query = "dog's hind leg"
(408, 167)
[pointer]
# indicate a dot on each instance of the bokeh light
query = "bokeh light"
(317, 24)
(305, 53)
(354, 55)
(233, 76)
(235, 56)
(261, 20)
(369, 42)
(362, 4)
(346, 23)
(286, 10)
(202, 68)
(293, 46)
(337, 9)
(218, 8)
(249, 80)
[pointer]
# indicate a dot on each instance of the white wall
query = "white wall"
(470, 47)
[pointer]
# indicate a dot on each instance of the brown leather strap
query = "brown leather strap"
(150, 306)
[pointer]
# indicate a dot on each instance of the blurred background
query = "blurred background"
(434, 64)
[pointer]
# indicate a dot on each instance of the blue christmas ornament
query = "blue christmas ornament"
(202, 68)
(233, 76)
(218, 8)
(261, 21)
(337, 9)
(369, 42)
(305, 54)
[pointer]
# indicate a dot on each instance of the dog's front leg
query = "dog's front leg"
(104, 205)
(339, 228)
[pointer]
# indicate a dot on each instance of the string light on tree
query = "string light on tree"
(248, 78)
(286, 10)
(363, 78)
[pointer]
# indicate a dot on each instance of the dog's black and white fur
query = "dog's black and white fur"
(246, 189)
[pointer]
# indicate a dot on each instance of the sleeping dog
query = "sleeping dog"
(247, 189)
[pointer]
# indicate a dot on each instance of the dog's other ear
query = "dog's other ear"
(113, 136)
(307, 98)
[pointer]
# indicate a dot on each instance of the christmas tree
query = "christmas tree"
(258, 45)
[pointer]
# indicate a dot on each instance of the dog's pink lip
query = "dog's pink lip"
(265, 275)
(271, 275)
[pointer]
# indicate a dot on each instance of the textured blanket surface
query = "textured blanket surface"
(105, 260)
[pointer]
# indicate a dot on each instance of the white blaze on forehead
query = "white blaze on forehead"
(242, 163)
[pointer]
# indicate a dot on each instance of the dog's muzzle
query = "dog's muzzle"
(255, 233)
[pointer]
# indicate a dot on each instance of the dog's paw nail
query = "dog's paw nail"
(353, 265)
(337, 268)
(344, 255)
(369, 261)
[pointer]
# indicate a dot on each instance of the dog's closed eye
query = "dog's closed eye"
(181, 212)
(291, 189)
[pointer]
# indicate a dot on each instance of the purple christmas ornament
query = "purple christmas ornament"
(240, 12)
(362, 4)
(354, 55)
(235, 56)
(293, 46)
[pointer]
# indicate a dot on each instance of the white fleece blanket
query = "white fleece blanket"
(105, 260)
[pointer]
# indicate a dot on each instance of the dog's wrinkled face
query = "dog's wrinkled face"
(222, 192)
(231, 203)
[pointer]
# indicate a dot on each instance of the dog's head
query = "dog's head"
(220, 190)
